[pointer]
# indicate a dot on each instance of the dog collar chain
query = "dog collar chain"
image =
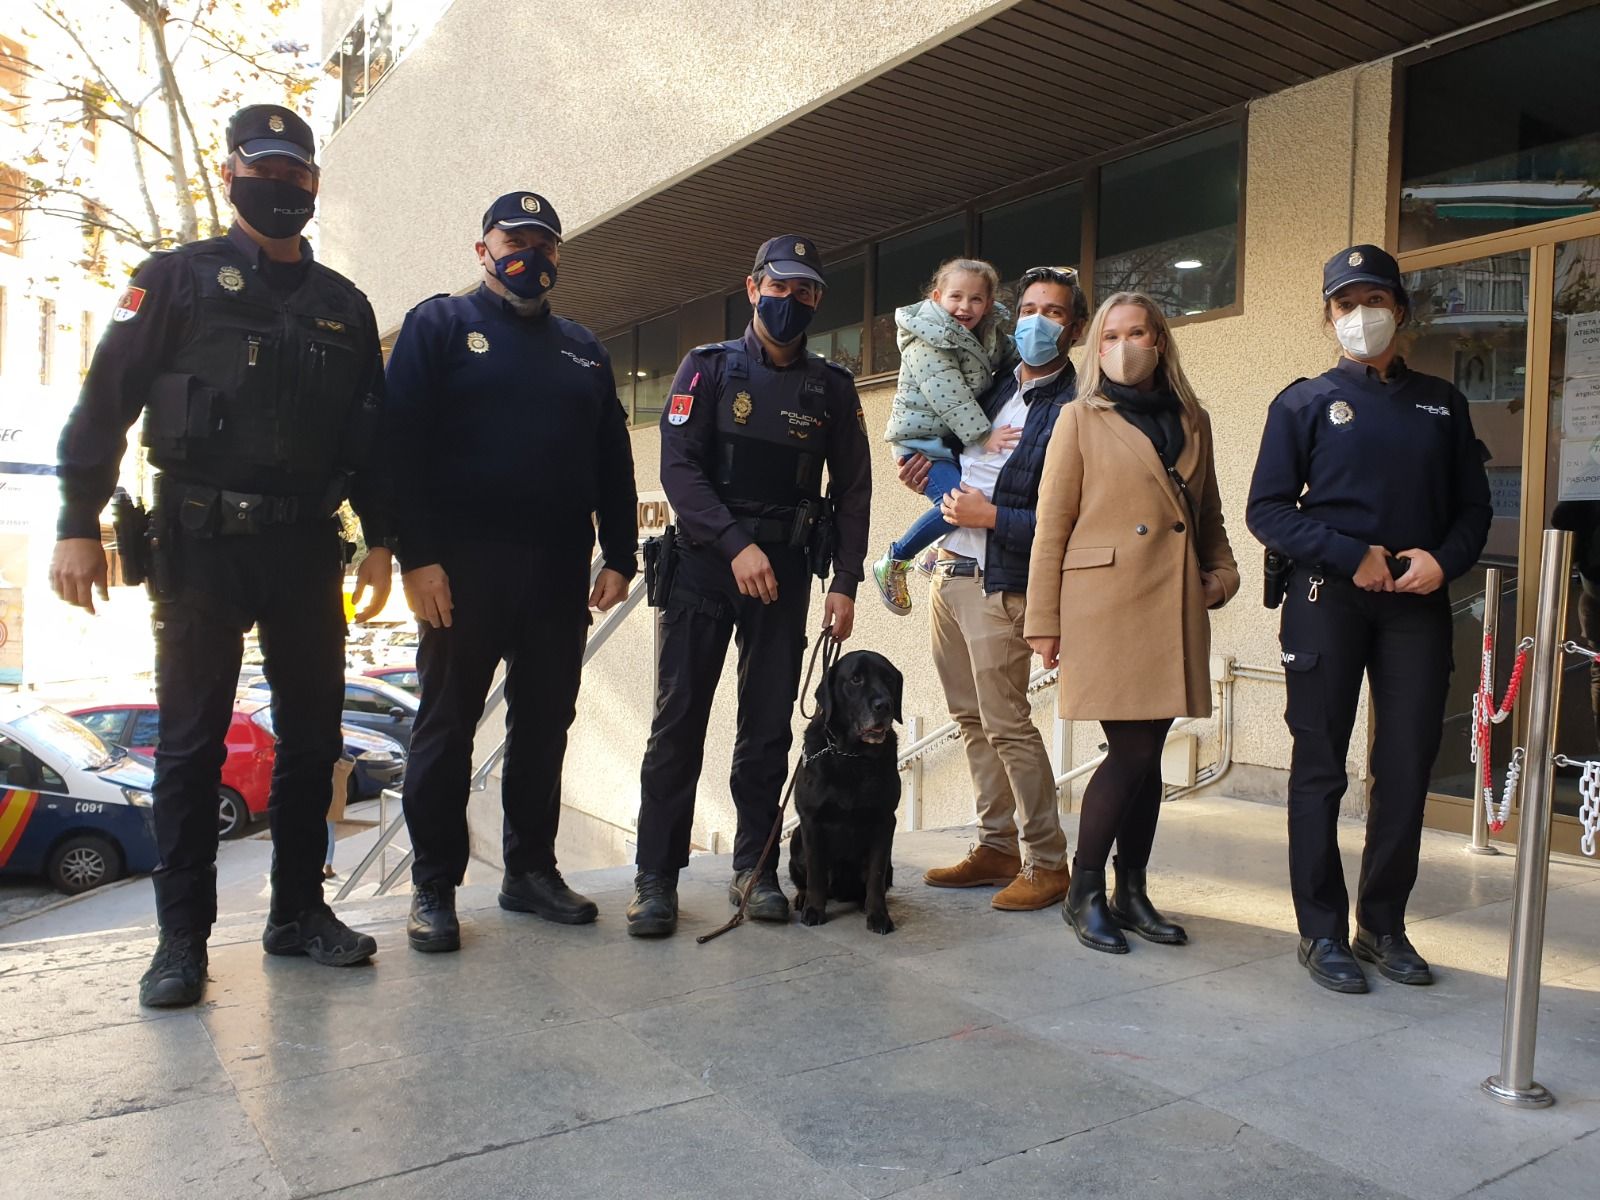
(831, 748)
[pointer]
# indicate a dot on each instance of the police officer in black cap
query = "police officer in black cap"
(510, 445)
(259, 376)
(749, 427)
(1370, 482)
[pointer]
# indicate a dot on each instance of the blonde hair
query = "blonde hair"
(972, 266)
(1170, 368)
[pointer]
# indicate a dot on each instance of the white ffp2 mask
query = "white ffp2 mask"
(1364, 331)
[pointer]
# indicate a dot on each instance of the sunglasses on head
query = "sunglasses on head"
(1064, 275)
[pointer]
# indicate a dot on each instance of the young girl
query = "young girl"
(949, 349)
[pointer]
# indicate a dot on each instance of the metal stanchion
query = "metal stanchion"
(914, 733)
(1514, 1084)
(1491, 627)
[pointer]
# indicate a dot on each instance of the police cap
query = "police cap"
(517, 210)
(790, 256)
(261, 130)
(1362, 264)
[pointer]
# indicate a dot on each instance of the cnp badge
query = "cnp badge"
(1340, 413)
(128, 304)
(1355, 259)
(741, 408)
(544, 279)
(800, 249)
(529, 204)
(682, 406)
(231, 278)
(477, 343)
(275, 123)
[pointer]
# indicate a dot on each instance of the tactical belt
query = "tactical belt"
(208, 511)
(766, 529)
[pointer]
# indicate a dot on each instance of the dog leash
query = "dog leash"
(828, 646)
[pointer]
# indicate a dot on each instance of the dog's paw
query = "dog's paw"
(880, 923)
(799, 901)
(812, 916)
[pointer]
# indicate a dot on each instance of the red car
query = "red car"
(246, 771)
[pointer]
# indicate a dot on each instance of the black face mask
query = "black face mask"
(784, 318)
(271, 207)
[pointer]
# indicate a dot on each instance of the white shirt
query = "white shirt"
(980, 470)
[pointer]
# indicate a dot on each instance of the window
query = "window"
(47, 340)
(360, 700)
(836, 329)
(1169, 224)
(905, 264)
(1041, 231)
(20, 767)
(1502, 134)
(146, 728)
(380, 36)
(735, 314)
(657, 364)
(620, 350)
(107, 725)
(13, 201)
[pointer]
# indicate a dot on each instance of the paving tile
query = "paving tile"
(1569, 1170)
(928, 919)
(204, 1149)
(347, 1126)
(1181, 1151)
(43, 1004)
(706, 1149)
(893, 1121)
(377, 1016)
(777, 1029)
(100, 1073)
(1403, 1110)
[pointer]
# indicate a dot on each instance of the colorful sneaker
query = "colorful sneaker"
(890, 576)
(927, 563)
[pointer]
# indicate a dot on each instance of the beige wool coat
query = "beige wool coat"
(1115, 569)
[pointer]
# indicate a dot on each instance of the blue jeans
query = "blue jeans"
(944, 477)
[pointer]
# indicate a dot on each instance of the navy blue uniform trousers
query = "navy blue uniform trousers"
(287, 580)
(1401, 644)
(529, 607)
(705, 609)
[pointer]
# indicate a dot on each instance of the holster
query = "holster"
(823, 539)
(660, 566)
(131, 522)
(162, 543)
(1276, 569)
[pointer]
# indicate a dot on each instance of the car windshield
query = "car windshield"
(72, 740)
(396, 696)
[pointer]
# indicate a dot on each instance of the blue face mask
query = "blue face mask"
(528, 273)
(1038, 339)
(784, 318)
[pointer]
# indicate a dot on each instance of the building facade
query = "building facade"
(1212, 153)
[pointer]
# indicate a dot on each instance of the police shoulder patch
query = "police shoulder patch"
(128, 304)
(681, 406)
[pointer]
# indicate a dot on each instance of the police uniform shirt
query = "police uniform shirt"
(1350, 460)
(507, 428)
(774, 408)
(154, 318)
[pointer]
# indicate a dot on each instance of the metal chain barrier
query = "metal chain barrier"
(1485, 715)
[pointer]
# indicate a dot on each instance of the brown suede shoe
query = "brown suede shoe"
(1036, 887)
(984, 866)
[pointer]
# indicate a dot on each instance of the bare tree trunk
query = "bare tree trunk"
(151, 15)
(202, 168)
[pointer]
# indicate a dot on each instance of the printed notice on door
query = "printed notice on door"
(1580, 469)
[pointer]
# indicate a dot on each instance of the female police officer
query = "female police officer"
(1370, 479)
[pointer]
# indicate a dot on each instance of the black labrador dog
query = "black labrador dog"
(847, 792)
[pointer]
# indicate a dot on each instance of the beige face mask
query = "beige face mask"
(1129, 364)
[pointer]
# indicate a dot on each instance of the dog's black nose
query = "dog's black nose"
(881, 706)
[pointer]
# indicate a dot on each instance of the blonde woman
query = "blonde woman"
(1129, 554)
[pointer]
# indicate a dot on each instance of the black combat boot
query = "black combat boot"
(654, 911)
(767, 901)
(320, 936)
(432, 926)
(177, 974)
(1086, 911)
(1131, 907)
(546, 894)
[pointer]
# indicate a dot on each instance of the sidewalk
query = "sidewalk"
(970, 1053)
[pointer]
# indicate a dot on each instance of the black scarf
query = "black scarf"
(1158, 414)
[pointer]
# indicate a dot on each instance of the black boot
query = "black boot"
(320, 936)
(654, 911)
(1089, 915)
(1131, 908)
(432, 926)
(1394, 956)
(1332, 965)
(546, 894)
(767, 901)
(177, 974)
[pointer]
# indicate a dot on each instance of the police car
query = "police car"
(71, 808)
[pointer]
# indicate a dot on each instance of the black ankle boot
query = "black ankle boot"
(1089, 915)
(1131, 908)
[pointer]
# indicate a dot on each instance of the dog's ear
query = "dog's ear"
(825, 698)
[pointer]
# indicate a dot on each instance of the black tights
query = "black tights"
(1123, 800)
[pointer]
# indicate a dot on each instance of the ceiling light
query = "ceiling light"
(1188, 264)
(642, 374)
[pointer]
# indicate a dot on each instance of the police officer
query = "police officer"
(1371, 480)
(744, 438)
(259, 376)
(508, 441)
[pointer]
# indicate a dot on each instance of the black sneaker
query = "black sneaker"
(432, 925)
(321, 937)
(177, 974)
(546, 894)
(767, 901)
(654, 911)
